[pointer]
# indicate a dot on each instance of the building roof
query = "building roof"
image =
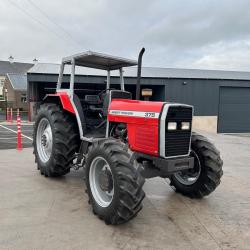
(99, 61)
(15, 67)
(149, 72)
(18, 81)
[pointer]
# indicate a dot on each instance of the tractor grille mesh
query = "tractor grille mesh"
(177, 142)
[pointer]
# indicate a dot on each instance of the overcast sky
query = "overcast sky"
(207, 34)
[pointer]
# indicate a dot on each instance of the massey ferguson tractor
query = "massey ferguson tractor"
(119, 142)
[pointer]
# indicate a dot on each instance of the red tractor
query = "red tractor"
(119, 141)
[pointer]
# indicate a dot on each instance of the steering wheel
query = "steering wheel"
(103, 91)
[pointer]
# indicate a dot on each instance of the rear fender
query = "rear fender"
(63, 99)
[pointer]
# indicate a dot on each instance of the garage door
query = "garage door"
(234, 110)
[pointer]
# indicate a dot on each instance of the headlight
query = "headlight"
(172, 126)
(185, 126)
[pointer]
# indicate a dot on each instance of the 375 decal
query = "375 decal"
(150, 114)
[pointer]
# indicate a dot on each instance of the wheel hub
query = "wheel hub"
(44, 140)
(101, 181)
(106, 180)
(190, 176)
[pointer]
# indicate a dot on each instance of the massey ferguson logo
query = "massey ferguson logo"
(134, 113)
(120, 112)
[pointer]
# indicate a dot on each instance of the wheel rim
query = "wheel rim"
(44, 140)
(101, 181)
(190, 176)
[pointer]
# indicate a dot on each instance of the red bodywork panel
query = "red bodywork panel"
(142, 119)
(65, 100)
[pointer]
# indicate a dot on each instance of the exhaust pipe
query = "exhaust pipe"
(138, 88)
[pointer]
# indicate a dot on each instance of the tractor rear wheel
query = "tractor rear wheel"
(55, 140)
(114, 184)
(206, 174)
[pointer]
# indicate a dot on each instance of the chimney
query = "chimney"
(11, 59)
(35, 61)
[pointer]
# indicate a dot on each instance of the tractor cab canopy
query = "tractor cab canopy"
(97, 61)
(91, 104)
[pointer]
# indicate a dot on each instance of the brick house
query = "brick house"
(17, 72)
(16, 85)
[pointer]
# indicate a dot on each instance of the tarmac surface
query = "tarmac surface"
(8, 135)
(43, 213)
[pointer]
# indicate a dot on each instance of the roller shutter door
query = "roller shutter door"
(234, 110)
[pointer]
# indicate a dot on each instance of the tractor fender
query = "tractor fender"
(64, 100)
(67, 104)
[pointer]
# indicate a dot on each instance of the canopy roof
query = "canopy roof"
(99, 61)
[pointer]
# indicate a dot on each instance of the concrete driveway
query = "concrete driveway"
(43, 213)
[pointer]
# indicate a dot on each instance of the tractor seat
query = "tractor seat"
(94, 103)
(92, 99)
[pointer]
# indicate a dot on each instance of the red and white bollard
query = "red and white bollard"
(19, 133)
(18, 114)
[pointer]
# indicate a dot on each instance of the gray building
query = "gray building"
(221, 99)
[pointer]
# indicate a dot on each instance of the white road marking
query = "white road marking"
(16, 132)
(4, 132)
(8, 138)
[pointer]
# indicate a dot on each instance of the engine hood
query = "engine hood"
(135, 108)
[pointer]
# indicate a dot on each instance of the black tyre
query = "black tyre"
(114, 184)
(55, 140)
(206, 174)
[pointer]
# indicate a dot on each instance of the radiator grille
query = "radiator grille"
(177, 142)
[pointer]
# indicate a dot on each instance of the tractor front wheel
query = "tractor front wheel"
(206, 174)
(114, 184)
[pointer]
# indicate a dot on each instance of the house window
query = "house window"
(1, 87)
(23, 98)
